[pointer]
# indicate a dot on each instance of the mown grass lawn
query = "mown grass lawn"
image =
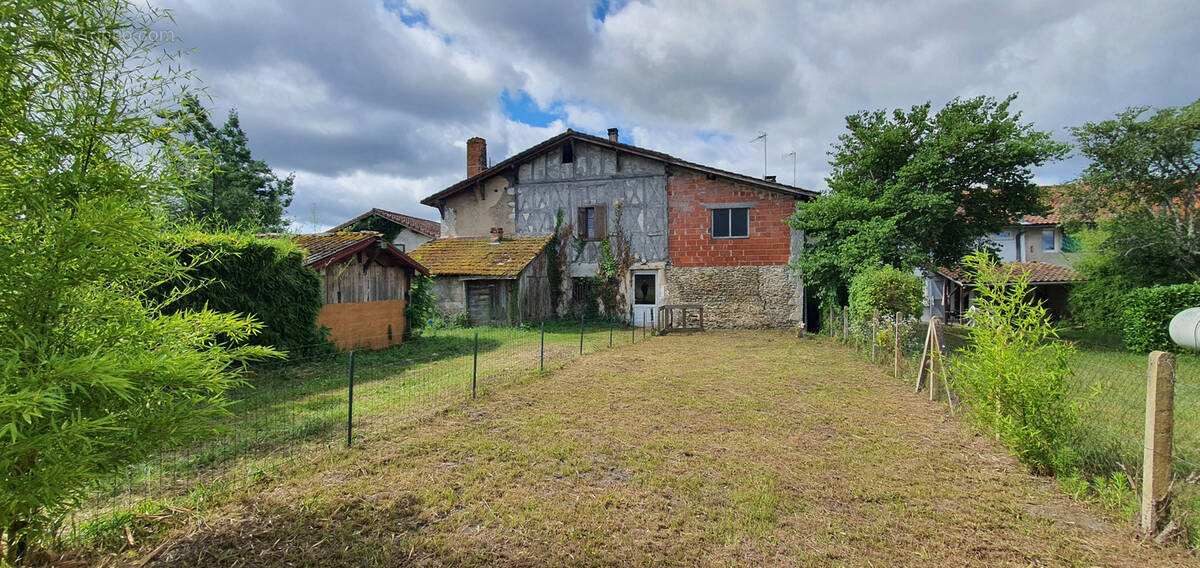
(722, 448)
(296, 412)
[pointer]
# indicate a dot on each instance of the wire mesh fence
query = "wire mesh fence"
(309, 408)
(1106, 387)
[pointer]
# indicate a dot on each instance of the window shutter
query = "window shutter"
(581, 223)
(601, 222)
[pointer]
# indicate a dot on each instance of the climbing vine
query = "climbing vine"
(556, 259)
(616, 258)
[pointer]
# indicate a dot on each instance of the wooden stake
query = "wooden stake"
(896, 354)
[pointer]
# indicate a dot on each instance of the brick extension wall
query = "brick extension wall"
(364, 325)
(690, 242)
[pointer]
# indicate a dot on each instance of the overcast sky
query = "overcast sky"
(370, 104)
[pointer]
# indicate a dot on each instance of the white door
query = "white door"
(646, 297)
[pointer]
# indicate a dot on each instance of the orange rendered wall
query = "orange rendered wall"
(364, 325)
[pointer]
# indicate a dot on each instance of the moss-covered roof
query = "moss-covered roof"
(478, 256)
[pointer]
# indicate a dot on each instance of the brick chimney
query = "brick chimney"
(476, 155)
(497, 234)
(612, 134)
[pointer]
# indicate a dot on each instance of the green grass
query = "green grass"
(294, 413)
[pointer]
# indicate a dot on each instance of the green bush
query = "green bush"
(1148, 312)
(1097, 302)
(263, 278)
(1014, 374)
(422, 303)
(887, 289)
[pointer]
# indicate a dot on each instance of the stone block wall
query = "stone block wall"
(742, 297)
(692, 196)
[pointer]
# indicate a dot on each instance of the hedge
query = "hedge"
(1148, 312)
(265, 278)
(887, 289)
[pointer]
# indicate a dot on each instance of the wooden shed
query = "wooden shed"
(496, 281)
(366, 281)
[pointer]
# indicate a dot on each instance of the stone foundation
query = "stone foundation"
(742, 297)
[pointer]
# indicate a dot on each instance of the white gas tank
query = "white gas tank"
(1185, 328)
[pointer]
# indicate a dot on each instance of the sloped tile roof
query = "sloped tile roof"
(512, 161)
(321, 246)
(477, 256)
(417, 224)
(1039, 273)
(326, 248)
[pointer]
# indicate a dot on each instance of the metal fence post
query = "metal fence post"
(581, 334)
(643, 327)
(652, 319)
(1160, 418)
(542, 350)
(610, 332)
(632, 326)
(350, 404)
(475, 366)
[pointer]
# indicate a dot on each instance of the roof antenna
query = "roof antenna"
(792, 154)
(762, 136)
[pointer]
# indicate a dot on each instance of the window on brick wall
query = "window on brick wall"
(592, 223)
(730, 222)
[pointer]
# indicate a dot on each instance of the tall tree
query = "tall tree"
(917, 190)
(1143, 186)
(232, 189)
(92, 375)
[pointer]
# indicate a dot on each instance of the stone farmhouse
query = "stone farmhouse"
(696, 234)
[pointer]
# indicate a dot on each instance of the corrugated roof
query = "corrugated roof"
(511, 161)
(477, 256)
(1039, 273)
(417, 224)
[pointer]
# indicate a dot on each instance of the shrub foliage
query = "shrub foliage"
(1014, 375)
(1148, 312)
(262, 278)
(887, 289)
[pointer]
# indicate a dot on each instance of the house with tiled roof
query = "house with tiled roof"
(1037, 244)
(365, 282)
(494, 279)
(404, 231)
(696, 234)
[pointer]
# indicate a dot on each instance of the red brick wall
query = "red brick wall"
(690, 242)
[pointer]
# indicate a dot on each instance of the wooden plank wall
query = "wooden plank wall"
(348, 282)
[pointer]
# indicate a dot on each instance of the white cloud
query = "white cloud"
(370, 111)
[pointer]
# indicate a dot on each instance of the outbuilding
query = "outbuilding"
(365, 282)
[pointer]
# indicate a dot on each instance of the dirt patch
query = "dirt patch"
(721, 448)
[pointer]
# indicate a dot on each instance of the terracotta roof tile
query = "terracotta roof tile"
(321, 246)
(1039, 272)
(417, 224)
(477, 256)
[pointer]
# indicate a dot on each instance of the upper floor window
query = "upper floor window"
(568, 153)
(1048, 244)
(591, 223)
(730, 222)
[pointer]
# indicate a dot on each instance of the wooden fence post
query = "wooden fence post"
(1160, 418)
(846, 324)
(829, 322)
(936, 362)
(896, 354)
(875, 335)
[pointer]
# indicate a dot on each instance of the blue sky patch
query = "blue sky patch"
(522, 108)
(410, 16)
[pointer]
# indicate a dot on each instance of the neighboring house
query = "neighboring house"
(404, 231)
(1050, 285)
(365, 281)
(1037, 244)
(496, 280)
(698, 234)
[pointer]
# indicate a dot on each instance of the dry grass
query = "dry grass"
(723, 448)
